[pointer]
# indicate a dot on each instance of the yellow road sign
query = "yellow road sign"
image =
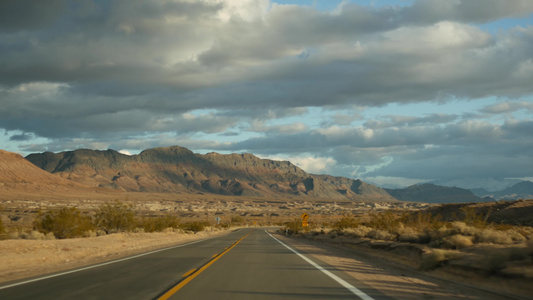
(304, 223)
(305, 216)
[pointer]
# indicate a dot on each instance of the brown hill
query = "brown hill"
(16, 173)
(177, 169)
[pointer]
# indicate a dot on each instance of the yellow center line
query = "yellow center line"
(190, 275)
(189, 272)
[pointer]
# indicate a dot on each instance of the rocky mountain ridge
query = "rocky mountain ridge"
(177, 169)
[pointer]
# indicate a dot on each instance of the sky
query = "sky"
(392, 92)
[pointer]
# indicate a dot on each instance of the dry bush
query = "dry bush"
(493, 236)
(436, 258)
(159, 224)
(378, 234)
(237, 220)
(195, 226)
(464, 229)
(67, 222)
(422, 221)
(387, 220)
(345, 222)
(457, 241)
(472, 218)
(360, 231)
(294, 227)
(36, 235)
(411, 235)
(116, 217)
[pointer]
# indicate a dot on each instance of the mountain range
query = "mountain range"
(179, 170)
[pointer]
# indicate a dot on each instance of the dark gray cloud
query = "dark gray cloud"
(137, 74)
(16, 15)
(21, 137)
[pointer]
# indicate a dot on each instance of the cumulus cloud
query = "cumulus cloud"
(250, 76)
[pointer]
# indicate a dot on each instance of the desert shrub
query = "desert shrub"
(158, 224)
(457, 241)
(2, 229)
(345, 222)
(436, 258)
(462, 228)
(381, 235)
(116, 217)
(493, 236)
(422, 221)
(237, 220)
(67, 222)
(472, 218)
(359, 231)
(387, 220)
(195, 226)
(412, 235)
(293, 227)
(516, 235)
(36, 235)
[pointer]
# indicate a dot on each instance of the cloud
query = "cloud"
(508, 107)
(271, 79)
(21, 137)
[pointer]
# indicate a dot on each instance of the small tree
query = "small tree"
(116, 217)
(67, 222)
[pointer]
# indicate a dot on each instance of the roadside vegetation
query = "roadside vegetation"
(466, 238)
(71, 222)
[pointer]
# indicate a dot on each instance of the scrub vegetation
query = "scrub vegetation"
(71, 222)
(461, 237)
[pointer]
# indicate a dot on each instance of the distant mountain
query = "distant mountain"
(480, 192)
(521, 190)
(177, 169)
(490, 184)
(430, 193)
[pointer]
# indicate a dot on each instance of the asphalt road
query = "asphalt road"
(246, 264)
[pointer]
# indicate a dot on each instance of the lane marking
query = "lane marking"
(99, 265)
(189, 272)
(195, 273)
(345, 284)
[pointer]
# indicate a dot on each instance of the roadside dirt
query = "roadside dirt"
(395, 277)
(29, 258)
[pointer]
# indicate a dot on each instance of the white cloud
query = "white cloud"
(134, 74)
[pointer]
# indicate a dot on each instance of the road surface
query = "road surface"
(246, 264)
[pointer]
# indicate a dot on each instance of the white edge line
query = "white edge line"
(345, 284)
(98, 265)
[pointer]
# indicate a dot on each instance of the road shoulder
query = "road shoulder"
(390, 278)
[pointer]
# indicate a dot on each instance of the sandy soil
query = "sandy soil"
(28, 258)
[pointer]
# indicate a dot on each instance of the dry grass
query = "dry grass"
(505, 244)
(437, 257)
